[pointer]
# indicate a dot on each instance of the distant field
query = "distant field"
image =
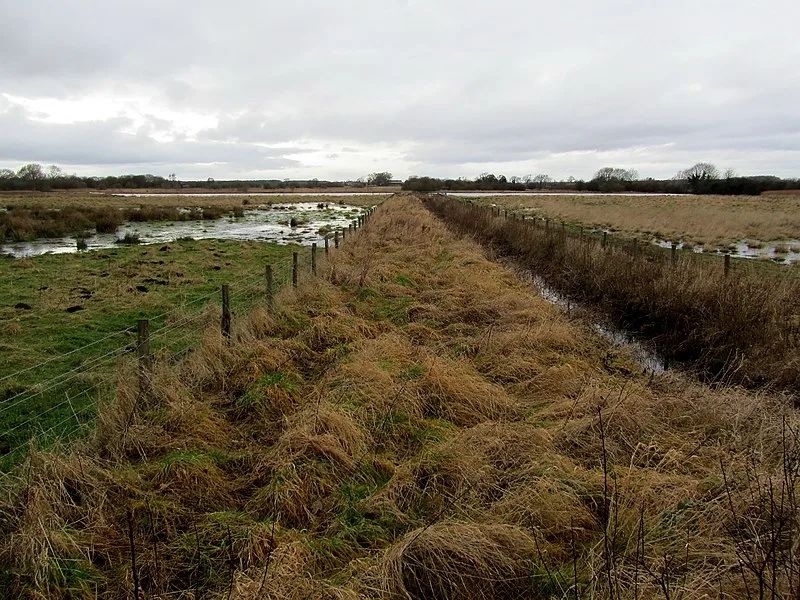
(108, 199)
(706, 220)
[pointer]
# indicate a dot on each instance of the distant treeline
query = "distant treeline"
(702, 178)
(735, 186)
(35, 177)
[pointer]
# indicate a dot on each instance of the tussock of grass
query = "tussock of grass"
(454, 438)
(451, 560)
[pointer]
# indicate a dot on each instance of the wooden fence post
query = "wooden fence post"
(226, 312)
(314, 259)
(727, 263)
(270, 291)
(605, 238)
(336, 239)
(145, 359)
(294, 269)
(326, 245)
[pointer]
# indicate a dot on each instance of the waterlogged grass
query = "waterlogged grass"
(52, 305)
(227, 202)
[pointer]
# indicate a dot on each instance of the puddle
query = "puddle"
(260, 224)
(781, 251)
(644, 356)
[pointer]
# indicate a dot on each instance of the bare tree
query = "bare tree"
(542, 180)
(379, 179)
(701, 171)
(616, 174)
(700, 177)
(31, 172)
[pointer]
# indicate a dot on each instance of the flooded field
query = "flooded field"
(778, 251)
(247, 194)
(269, 224)
(752, 227)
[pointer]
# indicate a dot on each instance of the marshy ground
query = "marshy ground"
(415, 422)
(710, 221)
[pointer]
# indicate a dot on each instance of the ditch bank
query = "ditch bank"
(728, 327)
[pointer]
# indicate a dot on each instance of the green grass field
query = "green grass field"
(69, 320)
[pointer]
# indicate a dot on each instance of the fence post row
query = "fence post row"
(270, 291)
(145, 359)
(226, 312)
(314, 258)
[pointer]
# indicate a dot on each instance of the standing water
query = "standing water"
(312, 221)
(644, 356)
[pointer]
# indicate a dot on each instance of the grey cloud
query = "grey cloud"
(459, 84)
(103, 143)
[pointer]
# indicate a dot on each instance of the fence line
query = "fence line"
(605, 237)
(244, 294)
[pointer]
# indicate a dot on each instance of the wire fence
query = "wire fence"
(57, 398)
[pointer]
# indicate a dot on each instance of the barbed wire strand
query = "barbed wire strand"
(54, 358)
(60, 379)
(117, 333)
(253, 291)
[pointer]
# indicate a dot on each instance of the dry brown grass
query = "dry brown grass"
(106, 200)
(715, 220)
(415, 423)
(738, 327)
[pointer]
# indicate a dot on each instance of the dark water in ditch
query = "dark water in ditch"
(260, 224)
(646, 357)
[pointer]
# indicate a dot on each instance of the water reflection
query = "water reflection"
(272, 224)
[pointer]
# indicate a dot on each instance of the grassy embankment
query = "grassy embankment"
(29, 216)
(742, 328)
(416, 423)
(54, 305)
(711, 221)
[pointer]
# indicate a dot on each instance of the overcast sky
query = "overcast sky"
(336, 90)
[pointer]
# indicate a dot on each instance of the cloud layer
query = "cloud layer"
(337, 90)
